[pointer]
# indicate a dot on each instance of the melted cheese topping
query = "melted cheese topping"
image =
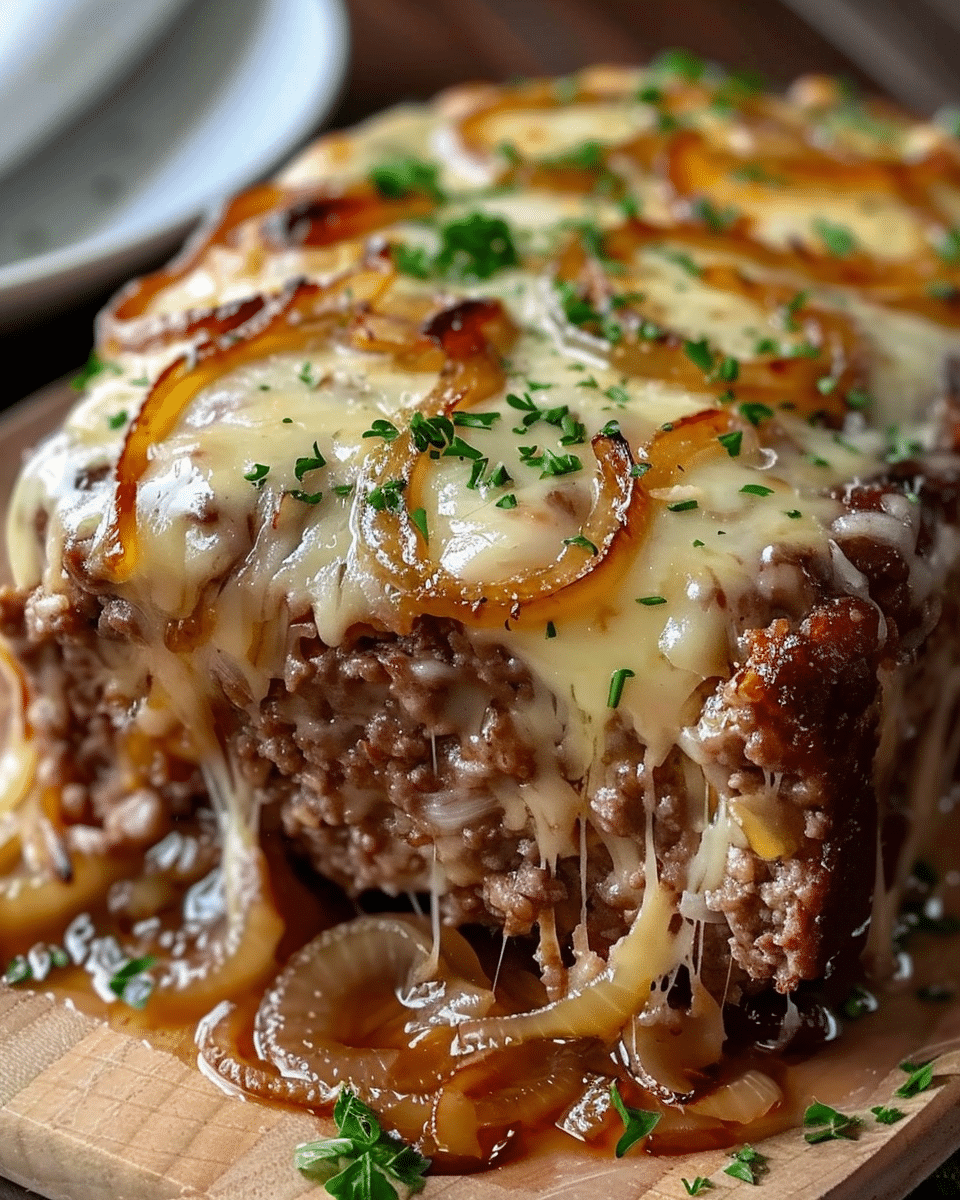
(231, 528)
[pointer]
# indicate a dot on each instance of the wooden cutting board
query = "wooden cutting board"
(91, 1113)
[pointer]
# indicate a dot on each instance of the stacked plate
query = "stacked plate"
(132, 119)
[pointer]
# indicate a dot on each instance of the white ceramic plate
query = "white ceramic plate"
(222, 99)
(55, 58)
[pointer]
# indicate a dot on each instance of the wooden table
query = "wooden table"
(409, 49)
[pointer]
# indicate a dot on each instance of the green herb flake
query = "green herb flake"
(458, 448)
(411, 260)
(475, 247)
(826, 384)
(716, 219)
(728, 370)
(826, 1124)
(382, 429)
(143, 381)
(650, 601)
(755, 173)
(419, 519)
(587, 156)
(766, 345)
(589, 382)
(887, 1116)
(837, 239)
(582, 542)
(940, 289)
(732, 442)
(747, 1165)
(699, 354)
(551, 630)
(637, 1123)
(475, 420)
(639, 469)
(697, 543)
(683, 506)
(920, 1078)
(499, 477)
(611, 429)
(794, 514)
(399, 177)
(257, 475)
(617, 394)
(756, 489)
(310, 463)
(507, 501)
(792, 307)
(94, 366)
(118, 420)
(681, 259)
(305, 375)
(342, 489)
(130, 983)
(858, 399)
(948, 247)
(363, 1162)
(680, 63)
(18, 971)
(696, 1186)
(387, 496)
(306, 497)
(859, 1003)
(755, 412)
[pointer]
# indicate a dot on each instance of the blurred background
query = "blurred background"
(123, 120)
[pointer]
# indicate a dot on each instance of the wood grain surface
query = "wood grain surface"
(88, 1113)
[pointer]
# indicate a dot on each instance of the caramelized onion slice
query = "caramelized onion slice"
(744, 1099)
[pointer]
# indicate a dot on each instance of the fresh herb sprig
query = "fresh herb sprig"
(637, 1123)
(364, 1162)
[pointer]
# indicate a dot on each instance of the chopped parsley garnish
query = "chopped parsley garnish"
(387, 496)
(637, 1123)
(574, 432)
(920, 1078)
(717, 219)
(755, 412)
(826, 384)
(306, 497)
(363, 1162)
(551, 630)
(130, 984)
(747, 1164)
(755, 173)
(640, 469)
(433, 431)
(588, 156)
(18, 970)
(579, 311)
(766, 345)
(475, 420)
(681, 259)
(699, 354)
(756, 489)
(940, 289)
(305, 375)
(698, 1185)
(826, 1124)
(382, 429)
(792, 307)
(342, 489)
(860, 1002)
(419, 518)
(949, 245)
(629, 206)
(475, 247)
(837, 239)
(118, 420)
(458, 448)
(858, 399)
(399, 176)
(94, 366)
(794, 514)
(683, 64)
(583, 543)
(887, 1116)
(144, 381)
(309, 463)
(611, 429)
(732, 442)
(617, 394)
(509, 151)
(411, 260)
(257, 475)
(683, 506)
(728, 369)
(650, 601)
(499, 476)
(900, 446)
(507, 501)
(550, 464)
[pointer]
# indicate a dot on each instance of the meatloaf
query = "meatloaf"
(545, 500)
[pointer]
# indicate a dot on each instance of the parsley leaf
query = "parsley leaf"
(94, 366)
(920, 1078)
(364, 1162)
(887, 1116)
(717, 219)
(476, 247)
(731, 442)
(400, 176)
(637, 1123)
(257, 475)
(387, 496)
(747, 1164)
(837, 239)
(756, 489)
(419, 518)
(827, 1124)
(118, 420)
(382, 429)
(700, 1184)
(699, 354)
(683, 64)
(755, 412)
(411, 260)
(310, 463)
(683, 506)
(130, 984)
